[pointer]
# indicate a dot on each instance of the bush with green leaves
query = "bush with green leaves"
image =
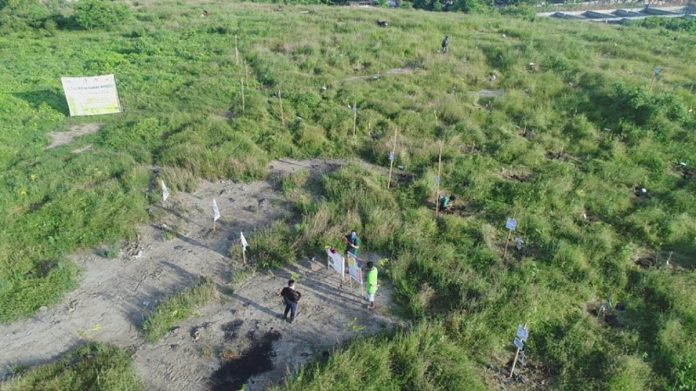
(91, 14)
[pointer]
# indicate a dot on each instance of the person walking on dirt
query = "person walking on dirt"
(445, 44)
(352, 244)
(291, 297)
(371, 284)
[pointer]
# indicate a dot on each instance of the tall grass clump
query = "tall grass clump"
(94, 366)
(176, 308)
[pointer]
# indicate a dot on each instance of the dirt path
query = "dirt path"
(237, 339)
(62, 138)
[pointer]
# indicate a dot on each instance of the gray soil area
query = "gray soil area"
(238, 338)
(75, 131)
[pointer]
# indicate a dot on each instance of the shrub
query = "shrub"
(91, 14)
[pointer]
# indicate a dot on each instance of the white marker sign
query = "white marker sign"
(165, 191)
(216, 211)
(91, 95)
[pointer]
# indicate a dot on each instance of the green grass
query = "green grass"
(94, 366)
(572, 134)
(176, 308)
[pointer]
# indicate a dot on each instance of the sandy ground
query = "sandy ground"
(62, 138)
(239, 337)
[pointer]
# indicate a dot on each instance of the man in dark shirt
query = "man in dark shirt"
(290, 297)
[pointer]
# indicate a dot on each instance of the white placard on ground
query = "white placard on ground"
(91, 95)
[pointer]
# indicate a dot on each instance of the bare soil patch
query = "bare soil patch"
(491, 93)
(62, 138)
(231, 340)
(389, 72)
(519, 175)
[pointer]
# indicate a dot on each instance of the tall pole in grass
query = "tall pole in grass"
(280, 101)
(392, 157)
(236, 51)
(437, 182)
(242, 94)
(355, 117)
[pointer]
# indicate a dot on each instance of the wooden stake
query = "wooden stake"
(280, 100)
(236, 50)
(507, 241)
(391, 161)
(355, 117)
(439, 178)
(243, 255)
(517, 354)
(242, 94)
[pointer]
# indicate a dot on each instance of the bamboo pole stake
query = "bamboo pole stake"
(280, 100)
(393, 154)
(507, 241)
(243, 255)
(236, 51)
(242, 94)
(439, 178)
(517, 354)
(355, 117)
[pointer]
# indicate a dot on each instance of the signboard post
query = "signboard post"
(335, 260)
(511, 225)
(520, 338)
(93, 95)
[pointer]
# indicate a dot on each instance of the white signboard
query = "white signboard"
(336, 261)
(354, 270)
(91, 95)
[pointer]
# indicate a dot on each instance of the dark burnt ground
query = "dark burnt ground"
(233, 374)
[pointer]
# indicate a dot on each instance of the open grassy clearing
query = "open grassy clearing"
(578, 126)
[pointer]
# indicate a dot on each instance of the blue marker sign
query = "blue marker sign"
(511, 224)
(391, 156)
(437, 180)
(522, 333)
(518, 343)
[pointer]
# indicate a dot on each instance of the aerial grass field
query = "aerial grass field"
(560, 124)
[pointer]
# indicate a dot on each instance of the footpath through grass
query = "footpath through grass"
(559, 123)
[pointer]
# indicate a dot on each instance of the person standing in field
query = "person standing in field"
(445, 44)
(371, 287)
(352, 244)
(291, 297)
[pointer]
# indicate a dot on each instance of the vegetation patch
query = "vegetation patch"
(94, 366)
(176, 308)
